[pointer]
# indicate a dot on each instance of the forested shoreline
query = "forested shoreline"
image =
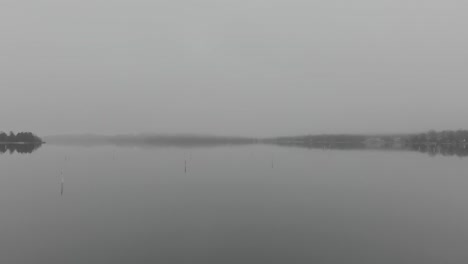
(431, 137)
(21, 137)
(458, 137)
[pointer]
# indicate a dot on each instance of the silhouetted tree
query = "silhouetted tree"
(3, 137)
(11, 137)
(432, 136)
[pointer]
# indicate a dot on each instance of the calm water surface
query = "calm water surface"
(251, 204)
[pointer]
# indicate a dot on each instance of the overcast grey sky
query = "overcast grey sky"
(237, 67)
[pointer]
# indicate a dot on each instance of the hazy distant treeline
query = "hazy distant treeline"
(441, 137)
(324, 138)
(179, 140)
(339, 141)
(435, 143)
(148, 140)
(458, 137)
(21, 137)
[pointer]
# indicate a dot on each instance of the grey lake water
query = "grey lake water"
(233, 204)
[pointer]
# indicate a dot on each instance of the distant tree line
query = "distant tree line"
(458, 137)
(339, 141)
(21, 137)
(339, 138)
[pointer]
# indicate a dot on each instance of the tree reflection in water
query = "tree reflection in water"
(18, 148)
(459, 150)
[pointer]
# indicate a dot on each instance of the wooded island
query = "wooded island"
(19, 138)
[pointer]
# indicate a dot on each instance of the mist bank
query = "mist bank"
(149, 140)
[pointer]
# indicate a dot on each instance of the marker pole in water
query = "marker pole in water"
(61, 187)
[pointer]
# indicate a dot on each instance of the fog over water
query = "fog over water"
(316, 105)
(246, 68)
